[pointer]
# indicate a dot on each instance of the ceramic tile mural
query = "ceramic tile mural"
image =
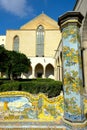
(24, 106)
(73, 82)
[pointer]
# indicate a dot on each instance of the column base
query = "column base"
(75, 125)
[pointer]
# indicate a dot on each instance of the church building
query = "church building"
(38, 40)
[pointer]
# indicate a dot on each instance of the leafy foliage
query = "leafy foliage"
(50, 87)
(3, 59)
(13, 63)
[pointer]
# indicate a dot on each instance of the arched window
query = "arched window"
(16, 43)
(40, 41)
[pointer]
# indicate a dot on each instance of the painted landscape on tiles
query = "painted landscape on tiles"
(24, 107)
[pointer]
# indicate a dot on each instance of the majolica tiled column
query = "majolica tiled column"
(72, 67)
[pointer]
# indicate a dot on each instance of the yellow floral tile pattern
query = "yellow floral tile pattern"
(72, 74)
(25, 106)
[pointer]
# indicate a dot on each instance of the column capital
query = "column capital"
(70, 17)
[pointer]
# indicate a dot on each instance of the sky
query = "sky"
(15, 13)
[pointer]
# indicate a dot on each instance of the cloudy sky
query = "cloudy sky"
(15, 13)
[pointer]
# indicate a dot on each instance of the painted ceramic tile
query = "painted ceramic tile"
(72, 74)
(23, 106)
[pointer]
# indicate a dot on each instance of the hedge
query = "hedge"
(50, 87)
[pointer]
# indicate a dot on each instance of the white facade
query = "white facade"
(58, 63)
(2, 40)
(41, 67)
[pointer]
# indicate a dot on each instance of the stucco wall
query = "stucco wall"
(27, 41)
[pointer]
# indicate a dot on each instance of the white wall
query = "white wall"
(2, 39)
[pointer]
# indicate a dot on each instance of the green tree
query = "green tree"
(3, 59)
(13, 63)
(17, 63)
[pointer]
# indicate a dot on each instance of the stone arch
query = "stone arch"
(39, 70)
(28, 75)
(49, 71)
(30, 72)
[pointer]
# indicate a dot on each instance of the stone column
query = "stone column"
(44, 74)
(85, 68)
(70, 24)
(33, 72)
(57, 72)
(0, 74)
(84, 50)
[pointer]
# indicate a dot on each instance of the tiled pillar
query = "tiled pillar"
(70, 24)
